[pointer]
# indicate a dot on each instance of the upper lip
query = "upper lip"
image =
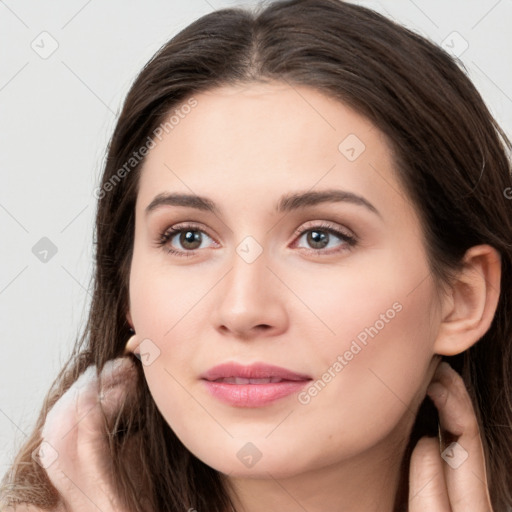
(253, 371)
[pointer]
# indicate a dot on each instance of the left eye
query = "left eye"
(319, 237)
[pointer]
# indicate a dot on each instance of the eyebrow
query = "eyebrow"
(287, 202)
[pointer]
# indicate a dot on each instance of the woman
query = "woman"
(347, 196)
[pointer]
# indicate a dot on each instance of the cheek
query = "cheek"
(162, 296)
(165, 305)
(371, 353)
(375, 364)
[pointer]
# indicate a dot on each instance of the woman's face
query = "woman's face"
(261, 276)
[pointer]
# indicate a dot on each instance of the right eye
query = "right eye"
(190, 236)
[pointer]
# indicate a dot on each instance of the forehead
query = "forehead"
(238, 140)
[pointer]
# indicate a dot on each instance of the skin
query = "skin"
(244, 147)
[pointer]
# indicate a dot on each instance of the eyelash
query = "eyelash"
(167, 235)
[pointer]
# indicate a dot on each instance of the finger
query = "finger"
(75, 430)
(119, 377)
(464, 466)
(427, 488)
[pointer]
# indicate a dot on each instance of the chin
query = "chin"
(248, 462)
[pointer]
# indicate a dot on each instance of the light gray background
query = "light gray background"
(56, 116)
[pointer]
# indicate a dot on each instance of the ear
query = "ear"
(470, 306)
(132, 345)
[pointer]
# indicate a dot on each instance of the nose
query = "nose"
(251, 300)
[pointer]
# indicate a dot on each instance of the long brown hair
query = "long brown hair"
(449, 153)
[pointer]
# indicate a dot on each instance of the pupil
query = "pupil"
(318, 237)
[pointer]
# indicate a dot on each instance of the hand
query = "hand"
(74, 449)
(456, 481)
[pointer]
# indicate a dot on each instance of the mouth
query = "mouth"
(241, 380)
(254, 372)
(255, 385)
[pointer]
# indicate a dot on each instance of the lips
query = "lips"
(257, 385)
(257, 373)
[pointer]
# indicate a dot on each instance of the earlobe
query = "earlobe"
(132, 345)
(470, 308)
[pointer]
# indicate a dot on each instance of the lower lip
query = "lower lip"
(253, 395)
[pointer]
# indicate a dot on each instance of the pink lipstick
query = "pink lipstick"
(255, 385)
